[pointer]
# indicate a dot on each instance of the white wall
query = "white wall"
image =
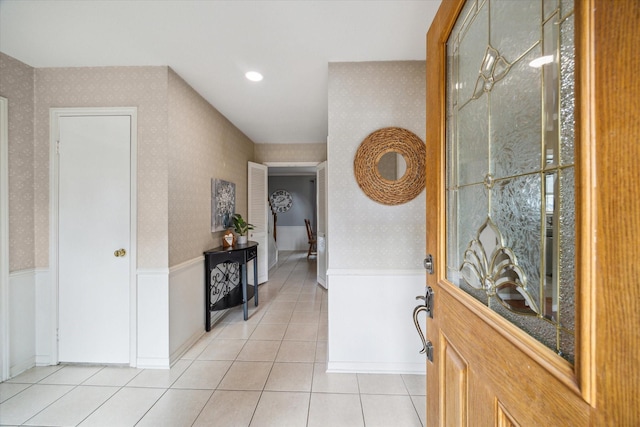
(292, 238)
(375, 251)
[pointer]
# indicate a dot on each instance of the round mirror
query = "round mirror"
(392, 166)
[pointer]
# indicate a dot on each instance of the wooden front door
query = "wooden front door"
(533, 212)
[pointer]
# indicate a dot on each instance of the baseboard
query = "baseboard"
(388, 273)
(43, 360)
(153, 363)
(322, 282)
(377, 368)
(217, 316)
(175, 356)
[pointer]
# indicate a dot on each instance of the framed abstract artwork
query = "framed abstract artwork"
(223, 204)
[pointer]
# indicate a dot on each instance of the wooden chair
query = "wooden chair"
(312, 239)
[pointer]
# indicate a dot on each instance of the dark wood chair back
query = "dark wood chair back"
(312, 239)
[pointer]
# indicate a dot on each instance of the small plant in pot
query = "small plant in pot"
(241, 227)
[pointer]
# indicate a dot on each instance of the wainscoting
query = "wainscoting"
(186, 306)
(153, 318)
(365, 334)
(30, 320)
(22, 321)
(170, 316)
(370, 322)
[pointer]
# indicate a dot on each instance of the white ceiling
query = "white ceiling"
(211, 44)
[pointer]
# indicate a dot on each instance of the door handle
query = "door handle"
(416, 311)
(120, 253)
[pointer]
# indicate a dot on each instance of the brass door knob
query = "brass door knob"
(120, 253)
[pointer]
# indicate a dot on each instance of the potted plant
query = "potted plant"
(241, 227)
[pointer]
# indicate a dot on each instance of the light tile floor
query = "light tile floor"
(267, 371)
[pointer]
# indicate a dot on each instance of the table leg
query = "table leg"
(255, 280)
(207, 297)
(245, 303)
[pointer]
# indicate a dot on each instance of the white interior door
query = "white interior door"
(321, 233)
(93, 223)
(258, 216)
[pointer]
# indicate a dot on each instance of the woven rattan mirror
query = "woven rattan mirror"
(390, 140)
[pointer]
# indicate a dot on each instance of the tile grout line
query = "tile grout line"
(75, 386)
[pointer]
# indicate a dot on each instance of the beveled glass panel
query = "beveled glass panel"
(510, 153)
(567, 98)
(467, 14)
(567, 345)
(549, 67)
(567, 255)
(515, 120)
(515, 27)
(451, 122)
(566, 7)
(539, 328)
(478, 294)
(515, 208)
(549, 7)
(473, 142)
(452, 170)
(453, 254)
(471, 50)
(550, 242)
(470, 220)
(470, 214)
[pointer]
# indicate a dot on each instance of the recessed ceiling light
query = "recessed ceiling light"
(254, 76)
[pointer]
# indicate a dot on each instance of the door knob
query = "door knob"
(120, 253)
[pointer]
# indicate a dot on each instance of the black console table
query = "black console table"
(225, 278)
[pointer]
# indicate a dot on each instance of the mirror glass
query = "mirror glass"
(392, 166)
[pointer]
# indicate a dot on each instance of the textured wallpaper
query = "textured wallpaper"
(203, 144)
(364, 97)
(291, 152)
(183, 142)
(17, 85)
(142, 87)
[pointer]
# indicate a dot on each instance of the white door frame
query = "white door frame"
(290, 164)
(321, 232)
(54, 115)
(4, 239)
(293, 165)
